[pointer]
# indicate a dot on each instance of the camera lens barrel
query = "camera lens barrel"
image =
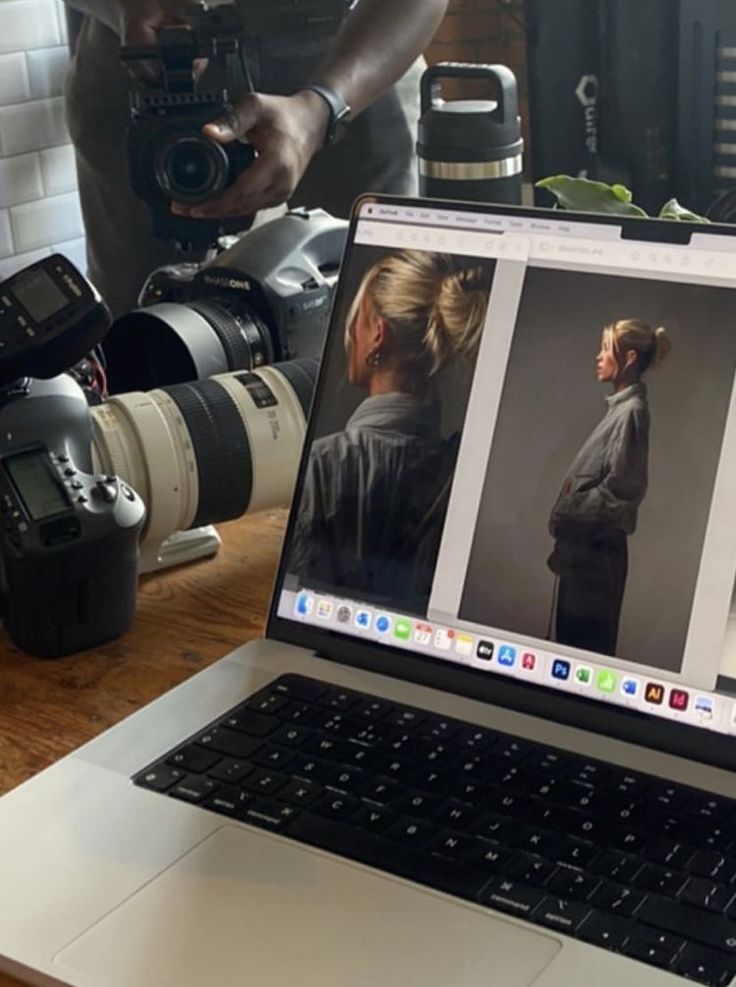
(221, 450)
(170, 342)
(210, 450)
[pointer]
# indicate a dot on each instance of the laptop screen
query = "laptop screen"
(522, 457)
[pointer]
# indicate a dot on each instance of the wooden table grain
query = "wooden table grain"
(186, 618)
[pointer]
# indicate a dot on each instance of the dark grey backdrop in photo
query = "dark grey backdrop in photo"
(339, 398)
(551, 401)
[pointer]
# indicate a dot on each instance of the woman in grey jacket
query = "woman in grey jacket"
(375, 494)
(596, 509)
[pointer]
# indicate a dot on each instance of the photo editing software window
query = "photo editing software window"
(524, 457)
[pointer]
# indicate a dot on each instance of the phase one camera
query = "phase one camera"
(264, 300)
(170, 158)
(68, 533)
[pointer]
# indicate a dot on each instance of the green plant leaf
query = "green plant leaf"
(584, 195)
(673, 210)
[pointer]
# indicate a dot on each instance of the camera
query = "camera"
(68, 533)
(170, 158)
(211, 382)
(265, 299)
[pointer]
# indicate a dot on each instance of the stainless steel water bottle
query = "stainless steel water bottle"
(470, 148)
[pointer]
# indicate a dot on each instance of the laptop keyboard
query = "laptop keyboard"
(622, 860)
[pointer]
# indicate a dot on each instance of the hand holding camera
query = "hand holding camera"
(202, 164)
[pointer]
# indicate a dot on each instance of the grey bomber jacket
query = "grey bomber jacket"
(608, 478)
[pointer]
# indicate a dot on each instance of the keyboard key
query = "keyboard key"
(297, 687)
(193, 789)
(682, 920)
(371, 709)
(711, 863)
(252, 723)
(449, 844)
(488, 856)
(416, 803)
(265, 782)
(661, 879)
(194, 759)
(618, 866)
(670, 853)
(228, 800)
(236, 745)
(381, 790)
(374, 819)
(528, 869)
(339, 699)
(271, 703)
(310, 768)
(606, 930)
(705, 965)
(159, 778)
(411, 832)
(269, 814)
(650, 952)
(559, 913)
(707, 894)
(618, 898)
(300, 793)
(337, 807)
(231, 771)
(512, 897)
(273, 757)
(345, 779)
(576, 853)
(291, 735)
(573, 884)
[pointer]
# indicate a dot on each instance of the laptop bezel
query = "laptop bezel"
(693, 743)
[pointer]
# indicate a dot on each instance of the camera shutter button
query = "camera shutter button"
(106, 490)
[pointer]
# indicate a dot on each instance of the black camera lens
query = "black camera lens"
(170, 343)
(191, 169)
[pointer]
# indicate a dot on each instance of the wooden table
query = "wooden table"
(186, 618)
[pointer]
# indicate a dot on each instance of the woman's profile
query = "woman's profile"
(596, 509)
(375, 494)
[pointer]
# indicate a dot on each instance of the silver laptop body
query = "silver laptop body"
(109, 882)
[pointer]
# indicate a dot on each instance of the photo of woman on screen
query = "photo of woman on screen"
(375, 493)
(596, 510)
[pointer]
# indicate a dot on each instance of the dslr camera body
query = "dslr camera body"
(68, 535)
(170, 158)
(266, 299)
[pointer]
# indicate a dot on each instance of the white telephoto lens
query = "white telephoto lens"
(210, 450)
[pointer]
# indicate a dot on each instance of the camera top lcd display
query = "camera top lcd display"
(39, 295)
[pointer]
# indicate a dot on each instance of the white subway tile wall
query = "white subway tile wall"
(39, 206)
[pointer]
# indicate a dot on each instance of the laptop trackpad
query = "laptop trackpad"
(245, 908)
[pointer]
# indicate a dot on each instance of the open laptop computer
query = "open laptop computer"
(452, 760)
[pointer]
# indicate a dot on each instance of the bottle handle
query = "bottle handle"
(500, 75)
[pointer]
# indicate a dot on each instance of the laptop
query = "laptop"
(489, 737)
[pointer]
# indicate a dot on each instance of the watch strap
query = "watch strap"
(339, 110)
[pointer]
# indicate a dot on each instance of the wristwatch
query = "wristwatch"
(339, 112)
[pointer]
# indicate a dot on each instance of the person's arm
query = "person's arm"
(621, 488)
(134, 21)
(377, 42)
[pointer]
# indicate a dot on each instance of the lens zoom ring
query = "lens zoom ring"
(221, 448)
(302, 375)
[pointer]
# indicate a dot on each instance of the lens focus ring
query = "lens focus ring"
(221, 448)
